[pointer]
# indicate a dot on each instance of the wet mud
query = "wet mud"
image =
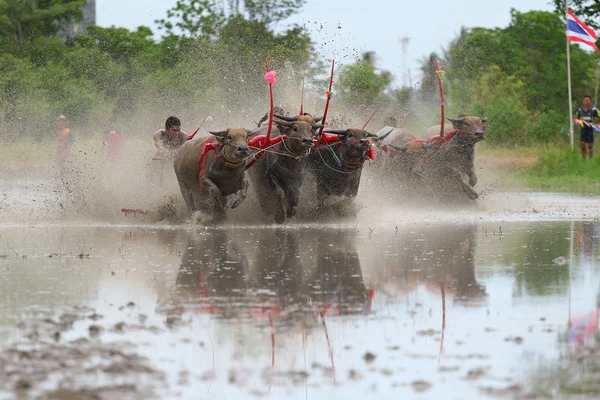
(419, 310)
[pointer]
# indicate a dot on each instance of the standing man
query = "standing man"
(64, 138)
(588, 115)
(170, 139)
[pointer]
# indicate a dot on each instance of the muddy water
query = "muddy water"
(459, 311)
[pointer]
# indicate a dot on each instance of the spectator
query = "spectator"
(588, 115)
(64, 138)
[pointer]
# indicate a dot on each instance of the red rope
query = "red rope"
(328, 97)
(371, 117)
(194, 134)
(328, 345)
(272, 341)
(443, 289)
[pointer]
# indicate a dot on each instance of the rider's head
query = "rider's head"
(173, 125)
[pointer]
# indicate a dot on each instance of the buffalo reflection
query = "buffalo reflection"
(295, 275)
(336, 283)
(441, 257)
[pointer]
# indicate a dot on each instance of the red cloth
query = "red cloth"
(437, 139)
(208, 145)
(114, 142)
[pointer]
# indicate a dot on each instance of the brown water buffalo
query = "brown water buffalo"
(454, 159)
(338, 168)
(214, 179)
(278, 177)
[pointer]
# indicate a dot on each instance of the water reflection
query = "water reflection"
(264, 297)
(295, 274)
(211, 266)
(336, 283)
(433, 257)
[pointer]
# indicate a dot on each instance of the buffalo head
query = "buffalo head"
(300, 131)
(234, 144)
(356, 142)
(471, 129)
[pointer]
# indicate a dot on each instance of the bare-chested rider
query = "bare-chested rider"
(170, 139)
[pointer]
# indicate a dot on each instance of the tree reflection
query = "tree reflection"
(435, 257)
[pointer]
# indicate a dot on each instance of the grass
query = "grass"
(564, 170)
(547, 167)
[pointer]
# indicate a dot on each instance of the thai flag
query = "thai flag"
(577, 31)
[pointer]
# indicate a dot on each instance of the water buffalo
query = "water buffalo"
(211, 180)
(278, 177)
(338, 167)
(446, 167)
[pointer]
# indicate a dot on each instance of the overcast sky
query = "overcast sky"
(345, 28)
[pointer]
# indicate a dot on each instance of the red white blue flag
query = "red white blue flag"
(579, 32)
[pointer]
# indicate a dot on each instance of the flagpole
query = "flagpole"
(569, 80)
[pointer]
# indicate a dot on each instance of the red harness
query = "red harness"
(208, 145)
(437, 139)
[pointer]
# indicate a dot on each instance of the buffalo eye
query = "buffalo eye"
(229, 137)
(296, 128)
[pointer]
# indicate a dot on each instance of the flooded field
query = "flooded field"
(461, 310)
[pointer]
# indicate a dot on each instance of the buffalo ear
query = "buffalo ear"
(484, 120)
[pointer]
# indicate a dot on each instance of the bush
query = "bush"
(508, 118)
(551, 126)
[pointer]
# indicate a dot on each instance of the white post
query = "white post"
(569, 82)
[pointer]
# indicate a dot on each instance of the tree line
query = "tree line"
(211, 57)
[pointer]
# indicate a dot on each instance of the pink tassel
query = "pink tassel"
(270, 77)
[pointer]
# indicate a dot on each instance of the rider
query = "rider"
(170, 139)
(277, 110)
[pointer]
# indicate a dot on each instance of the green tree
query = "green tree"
(587, 10)
(24, 20)
(361, 85)
(204, 18)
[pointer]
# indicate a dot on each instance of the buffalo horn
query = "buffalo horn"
(337, 131)
(289, 119)
(288, 124)
(454, 119)
(219, 133)
(317, 119)
(383, 135)
(317, 126)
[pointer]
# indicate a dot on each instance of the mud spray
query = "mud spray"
(88, 188)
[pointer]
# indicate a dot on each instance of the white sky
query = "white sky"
(363, 24)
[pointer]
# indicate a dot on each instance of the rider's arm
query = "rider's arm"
(157, 141)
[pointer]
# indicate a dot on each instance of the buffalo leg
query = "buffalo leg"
(187, 197)
(280, 195)
(472, 177)
(458, 177)
(238, 197)
(218, 201)
(293, 198)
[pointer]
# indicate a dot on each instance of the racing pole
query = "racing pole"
(270, 77)
(371, 117)
(440, 73)
(329, 94)
(303, 77)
